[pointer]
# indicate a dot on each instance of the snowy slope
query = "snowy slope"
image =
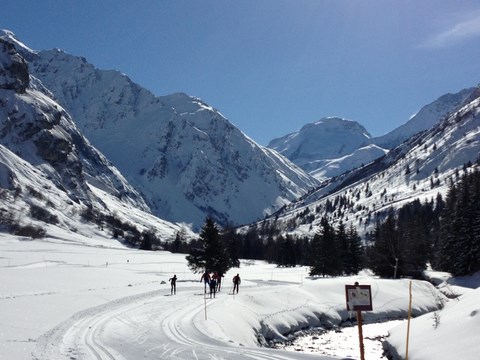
(50, 174)
(326, 169)
(419, 168)
(449, 333)
(186, 159)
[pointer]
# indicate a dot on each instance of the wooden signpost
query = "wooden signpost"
(359, 298)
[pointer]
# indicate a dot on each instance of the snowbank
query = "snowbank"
(450, 333)
(272, 312)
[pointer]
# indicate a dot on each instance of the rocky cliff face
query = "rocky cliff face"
(14, 69)
(41, 132)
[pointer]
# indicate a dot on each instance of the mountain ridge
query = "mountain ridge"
(51, 174)
(419, 168)
(349, 137)
(185, 158)
(188, 161)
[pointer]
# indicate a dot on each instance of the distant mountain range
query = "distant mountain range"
(422, 167)
(332, 146)
(97, 140)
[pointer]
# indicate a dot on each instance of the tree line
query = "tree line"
(443, 233)
(330, 252)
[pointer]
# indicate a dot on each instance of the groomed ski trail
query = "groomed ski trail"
(147, 326)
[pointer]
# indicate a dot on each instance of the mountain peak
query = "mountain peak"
(338, 121)
(327, 138)
(10, 37)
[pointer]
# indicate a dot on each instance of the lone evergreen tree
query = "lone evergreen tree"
(212, 254)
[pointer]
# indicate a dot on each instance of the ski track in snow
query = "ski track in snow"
(79, 337)
(174, 335)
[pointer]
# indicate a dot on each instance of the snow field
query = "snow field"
(69, 300)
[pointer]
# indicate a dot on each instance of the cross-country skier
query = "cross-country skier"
(173, 284)
(213, 287)
(206, 279)
(236, 282)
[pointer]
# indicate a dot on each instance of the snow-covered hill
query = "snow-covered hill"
(419, 168)
(50, 174)
(187, 160)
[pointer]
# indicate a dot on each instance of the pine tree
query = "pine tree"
(413, 225)
(212, 255)
(342, 247)
(385, 255)
(459, 241)
(271, 250)
(146, 243)
(324, 260)
(355, 252)
(232, 243)
(177, 243)
(444, 253)
(286, 252)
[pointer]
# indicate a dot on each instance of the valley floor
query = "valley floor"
(85, 299)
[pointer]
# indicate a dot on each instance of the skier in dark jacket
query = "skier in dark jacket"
(173, 284)
(236, 282)
(213, 287)
(219, 282)
(206, 279)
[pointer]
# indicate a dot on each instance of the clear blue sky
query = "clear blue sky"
(271, 66)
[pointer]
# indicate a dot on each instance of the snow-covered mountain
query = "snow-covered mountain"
(328, 147)
(332, 146)
(187, 160)
(49, 173)
(426, 118)
(419, 168)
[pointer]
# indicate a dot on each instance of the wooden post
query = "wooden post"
(359, 297)
(360, 334)
(409, 316)
(205, 300)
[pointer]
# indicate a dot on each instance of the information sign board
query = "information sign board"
(359, 297)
